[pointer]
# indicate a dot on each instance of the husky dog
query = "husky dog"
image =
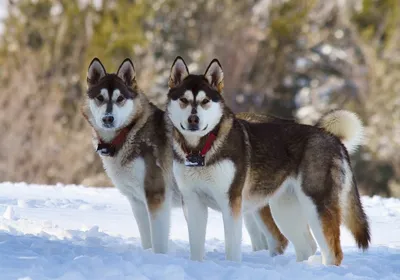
(132, 139)
(237, 166)
(130, 136)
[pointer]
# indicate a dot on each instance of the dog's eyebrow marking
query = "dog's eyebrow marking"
(200, 95)
(188, 95)
(115, 94)
(104, 92)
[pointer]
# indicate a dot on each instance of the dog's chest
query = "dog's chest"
(128, 178)
(211, 183)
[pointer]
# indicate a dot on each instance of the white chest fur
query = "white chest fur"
(210, 183)
(129, 179)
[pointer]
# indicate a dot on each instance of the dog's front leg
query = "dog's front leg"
(233, 234)
(196, 213)
(140, 212)
(160, 215)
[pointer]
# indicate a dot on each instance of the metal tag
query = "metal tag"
(194, 160)
(105, 150)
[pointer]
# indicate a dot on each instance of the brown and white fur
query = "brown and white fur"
(141, 167)
(302, 172)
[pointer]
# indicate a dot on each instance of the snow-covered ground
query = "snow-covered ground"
(74, 233)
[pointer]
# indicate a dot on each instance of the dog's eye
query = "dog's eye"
(205, 101)
(120, 99)
(100, 98)
(184, 100)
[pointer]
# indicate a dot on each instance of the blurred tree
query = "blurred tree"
(118, 29)
(292, 58)
(378, 23)
(44, 52)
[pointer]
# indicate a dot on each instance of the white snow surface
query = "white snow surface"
(75, 233)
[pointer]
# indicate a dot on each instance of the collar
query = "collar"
(207, 146)
(209, 141)
(112, 148)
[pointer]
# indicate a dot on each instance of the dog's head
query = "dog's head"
(112, 99)
(195, 104)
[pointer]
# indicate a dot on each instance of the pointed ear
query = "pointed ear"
(179, 72)
(215, 75)
(126, 72)
(96, 71)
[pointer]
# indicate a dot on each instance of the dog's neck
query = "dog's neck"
(111, 147)
(106, 135)
(192, 143)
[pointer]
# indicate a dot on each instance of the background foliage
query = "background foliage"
(293, 58)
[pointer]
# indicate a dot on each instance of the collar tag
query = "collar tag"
(194, 160)
(105, 149)
(198, 159)
(111, 149)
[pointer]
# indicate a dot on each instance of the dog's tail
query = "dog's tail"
(355, 218)
(346, 125)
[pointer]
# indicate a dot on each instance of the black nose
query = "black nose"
(193, 121)
(108, 120)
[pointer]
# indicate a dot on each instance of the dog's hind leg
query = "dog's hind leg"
(324, 217)
(291, 220)
(258, 240)
(140, 212)
(325, 224)
(277, 242)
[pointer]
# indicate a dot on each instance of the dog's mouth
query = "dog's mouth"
(193, 128)
(108, 126)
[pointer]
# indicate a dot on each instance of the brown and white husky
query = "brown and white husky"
(131, 137)
(134, 118)
(238, 166)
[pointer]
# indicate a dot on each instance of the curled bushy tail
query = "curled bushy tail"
(346, 125)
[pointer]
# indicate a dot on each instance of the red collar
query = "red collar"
(111, 148)
(198, 159)
(207, 146)
(209, 141)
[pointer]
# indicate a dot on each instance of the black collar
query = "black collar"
(112, 148)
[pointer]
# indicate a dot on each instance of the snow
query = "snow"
(10, 214)
(74, 233)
